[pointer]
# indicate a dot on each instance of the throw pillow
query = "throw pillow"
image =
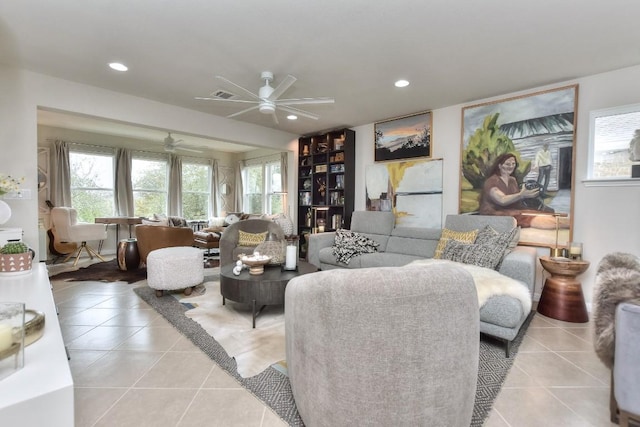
(487, 251)
(482, 255)
(232, 218)
(460, 236)
(250, 239)
(163, 223)
(488, 234)
(216, 221)
(176, 221)
(285, 223)
(348, 244)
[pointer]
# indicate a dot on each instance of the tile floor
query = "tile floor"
(132, 368)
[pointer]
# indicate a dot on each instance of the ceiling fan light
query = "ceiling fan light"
(118, 66)
(267, 108)
(402, 83)
(292, 117)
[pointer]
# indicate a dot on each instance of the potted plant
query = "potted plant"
(15, 257)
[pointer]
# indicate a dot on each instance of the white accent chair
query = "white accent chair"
(69, 230)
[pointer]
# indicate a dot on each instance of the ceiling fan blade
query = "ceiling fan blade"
(189, 149)
(255, 107)
(275, 118)
(226, 100)
(301, 101)
(282, 87)
(246, 91)
(299, 112)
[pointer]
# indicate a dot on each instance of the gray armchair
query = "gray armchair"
(394, 346)
(229, 248)
(626, 369)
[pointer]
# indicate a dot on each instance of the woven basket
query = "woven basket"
(11, 263)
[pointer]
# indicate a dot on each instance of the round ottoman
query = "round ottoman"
(174, 268)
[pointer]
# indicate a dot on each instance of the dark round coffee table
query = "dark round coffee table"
(258, 290)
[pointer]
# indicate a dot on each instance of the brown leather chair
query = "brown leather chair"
(151, 237)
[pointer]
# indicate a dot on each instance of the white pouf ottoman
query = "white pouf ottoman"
(174, 268)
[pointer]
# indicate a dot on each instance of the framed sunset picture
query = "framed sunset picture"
(403, 137)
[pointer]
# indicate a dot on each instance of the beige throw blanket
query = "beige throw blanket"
(488, 282)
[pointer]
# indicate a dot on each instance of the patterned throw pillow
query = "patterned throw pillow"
(460, 236)
(250, 239)
(486, 255)
(285, 223)
(348, 244)
(488, 250)
(489, 234)
(176, 221)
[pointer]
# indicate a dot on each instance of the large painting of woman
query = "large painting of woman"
(517, 159)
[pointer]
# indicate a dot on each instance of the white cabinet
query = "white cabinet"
(41, 393)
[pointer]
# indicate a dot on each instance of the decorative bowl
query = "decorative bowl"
(256, 263)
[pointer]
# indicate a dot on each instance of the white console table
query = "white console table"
(41, 393)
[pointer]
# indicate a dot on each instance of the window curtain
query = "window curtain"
(123, 186)
(214, 201)
(175, 185)
(239, 191)
(284, 178)
(60, 174)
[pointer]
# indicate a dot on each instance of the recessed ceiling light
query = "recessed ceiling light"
(118, 66)
(402, 83)
(292, 117)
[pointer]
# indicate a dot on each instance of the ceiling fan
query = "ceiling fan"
(171, 144)
(267, 102)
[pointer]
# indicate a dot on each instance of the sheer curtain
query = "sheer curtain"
(175, 185)
(60, 174)
(238, 191)
(215, 184)
(124, 188)
(284, 178)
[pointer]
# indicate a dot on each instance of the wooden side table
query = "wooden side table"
(562, 296)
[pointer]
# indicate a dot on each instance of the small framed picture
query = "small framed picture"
(403, 137)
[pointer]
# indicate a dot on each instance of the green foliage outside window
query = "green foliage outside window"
(91, 185)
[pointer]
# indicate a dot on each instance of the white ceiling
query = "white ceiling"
(452, 51)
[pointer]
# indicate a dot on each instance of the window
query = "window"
(262, 188)
(92, 192)
(611, 132)
(149, 182)
(195, 190)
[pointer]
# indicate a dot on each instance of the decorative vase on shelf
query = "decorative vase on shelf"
(5, 212)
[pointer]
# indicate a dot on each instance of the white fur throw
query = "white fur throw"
(489, 282)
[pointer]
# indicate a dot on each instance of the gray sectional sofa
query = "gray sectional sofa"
(501, 316)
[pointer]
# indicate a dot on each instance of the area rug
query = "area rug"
(254, 349)
(108, 271)
(272, 385)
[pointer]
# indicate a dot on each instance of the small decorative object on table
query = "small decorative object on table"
(256, 262)
(574, 250)
(11, 337)
(16, 258)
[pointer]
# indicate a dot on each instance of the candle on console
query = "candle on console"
(290, 257)
(6, 338)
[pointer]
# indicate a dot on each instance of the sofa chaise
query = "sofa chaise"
(500, 316)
